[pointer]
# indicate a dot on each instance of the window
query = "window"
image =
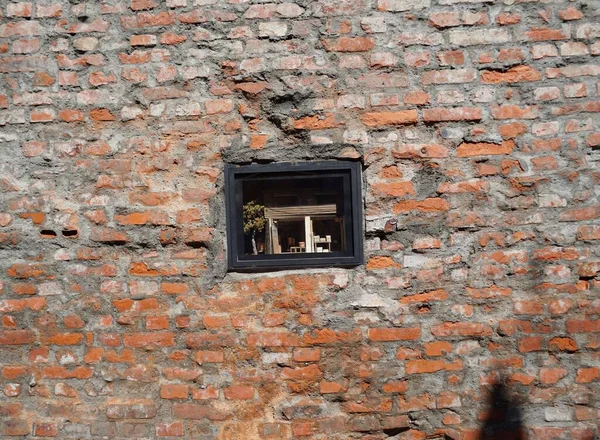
(288, 215)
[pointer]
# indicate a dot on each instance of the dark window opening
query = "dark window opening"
(294, 215)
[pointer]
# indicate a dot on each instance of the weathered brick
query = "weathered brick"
(316, 122)
(173, 429)
(402, 5)
(427, 205)
(174, 391)
(545, 34)
(461, 329)
(515, 112)
(349, 44)
(452, 114)
(512, 75)
(131, 410)
(479, 37)
(456, 76)
(239, 392)
(475, 124)
(419, 151)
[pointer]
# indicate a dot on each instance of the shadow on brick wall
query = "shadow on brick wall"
(504, 419)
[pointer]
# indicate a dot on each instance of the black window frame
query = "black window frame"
(353, 215)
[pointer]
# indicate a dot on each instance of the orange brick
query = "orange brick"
(431, 366)
(239, 392)
(438, 348)
(174, 391)
(394, 334)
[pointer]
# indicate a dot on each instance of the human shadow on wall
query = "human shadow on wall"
(504, 419)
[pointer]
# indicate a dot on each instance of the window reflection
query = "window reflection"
(295, 214)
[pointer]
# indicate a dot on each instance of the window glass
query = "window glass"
(293, 214)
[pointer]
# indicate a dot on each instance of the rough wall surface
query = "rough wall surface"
(478, 126)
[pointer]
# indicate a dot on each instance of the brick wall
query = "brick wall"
(477, 124)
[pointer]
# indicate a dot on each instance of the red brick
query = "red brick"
(423, 243)
(13, 372)
(147, 19)
(34, 148)
(427, 205)
(587, 375)
(174, 391)
(239, 392)
(58, 372)
(417, 59)
(394, 334)
(173, 429)
(316, 122)
(107, 235)
(451, 58)
(48, 10)
(381, 262)
(473, 185)
(530, 344)
(372, 406)
(552, 375)
(69, 115)
(431, 366)
(333, 387)
(444, 19)
(209, 357)
(593, 140)
(467, 149)
(461, 329)
(383, 119)
(506, 19)
(512, 75)
(206, 393)
(309, 373)
(419, 151)
(16, 337)
(588, 233)
(21, 9)
(190, 411)
(151, 339)
(307, 354)
(511, 55)
(452, 114)
(395, 387)
(45, 430)
(328, 337)
(570, 13)
(135, 409)
(174, 288)
(427, 297)
(393, 189)
(349, 44)
(545, 34)
(438, 348)
(453, 76)
(515, 112)
(563, 344)
(101, 114)
(42, 115)
(417, 97)
(171, 38)
(15, 427)
(448, 400)
(31, 45)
